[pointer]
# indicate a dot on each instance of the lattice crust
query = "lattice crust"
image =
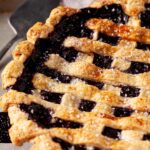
(90, 134)
(43, 140)
(86, 45)
(88, 89)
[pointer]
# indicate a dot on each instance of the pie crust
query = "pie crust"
(117, 94)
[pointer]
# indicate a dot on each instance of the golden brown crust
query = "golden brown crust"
(130, 7)
(22, 51)
(39, 30)
(86, 45)
(27, 129)
(90, 71)
(109, 97)
(89, 46)
(138, 34)
(42, 140)
(58, 13)
(132, 127)
(11, 72)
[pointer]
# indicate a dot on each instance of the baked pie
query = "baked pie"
(81, 81)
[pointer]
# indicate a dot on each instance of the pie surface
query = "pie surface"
(81, 80)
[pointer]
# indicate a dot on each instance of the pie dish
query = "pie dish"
(81, 80)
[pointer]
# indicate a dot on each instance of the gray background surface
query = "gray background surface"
(7, 33)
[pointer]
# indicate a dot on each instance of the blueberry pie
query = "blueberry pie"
(81, 80)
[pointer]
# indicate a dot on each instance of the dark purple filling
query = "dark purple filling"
(108, 39)
(145, 17)
(38, 114)
(51, 47)
(129, 91)
(102, 61)
(138, 67)
(112, 12)
(51, 97)
(4, 121)
(86, 105)
(143, 46)
(4, 126)
(122, 112)
(43, 117)
(146, 137)
(111, 133)
(4, 137)
(60, 123)
(68, 146)
(69, 54)
(94, 83)
(23, 83)
(54, 74)
(71, 26)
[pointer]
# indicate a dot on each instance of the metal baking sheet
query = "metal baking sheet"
(6, 8)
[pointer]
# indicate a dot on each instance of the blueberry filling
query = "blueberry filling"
(68, 146)
(69, 54)
(146, 137)
(23, 83)
(54, 74)
(50, 46)
(102, 61)
(129, 91)
(112, 12)
(4, 137)
(143, 46)
(69, 26)
(145, 17)
(138, 67)
(43, 117)
(99, 85)
(108, 39)
(52, 97)
(122, 112)
(111, 133)
(4, 126)
(38, 114)
(86, 105)
(4, 121)
(60, 123)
